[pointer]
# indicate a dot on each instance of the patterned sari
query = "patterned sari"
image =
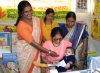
(74, 36)
(26, 53)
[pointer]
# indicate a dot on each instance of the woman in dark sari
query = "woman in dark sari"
(77, 35)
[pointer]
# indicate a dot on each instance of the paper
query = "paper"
(51, 64)
(62, 64)
(53, 71)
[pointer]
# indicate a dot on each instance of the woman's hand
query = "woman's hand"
(82, 22)
(52, 53)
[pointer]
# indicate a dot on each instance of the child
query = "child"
(69, 59)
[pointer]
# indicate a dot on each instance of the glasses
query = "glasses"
(56, 39)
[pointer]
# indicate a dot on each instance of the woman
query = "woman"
(29, 35)
(48, 24)
(77, 35)
(57, 44)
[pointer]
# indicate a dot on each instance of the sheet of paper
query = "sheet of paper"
(62, 63)
(53, 71)
(51, 65)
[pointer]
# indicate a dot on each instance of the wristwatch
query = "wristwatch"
(49, 52)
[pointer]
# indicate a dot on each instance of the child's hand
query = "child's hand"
(55, 62)
(67, 65)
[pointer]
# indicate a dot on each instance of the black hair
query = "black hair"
(56, 30)
(72, 49)
(48, 11)
(71, 14)
(21, 7)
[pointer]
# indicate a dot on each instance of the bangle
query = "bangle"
(49, 52)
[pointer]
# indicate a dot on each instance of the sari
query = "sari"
(26, 53)
(74, 36)
(47, 29)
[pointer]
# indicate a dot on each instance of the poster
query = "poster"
(81, 6)
(96, 11)
(95, 28)
(14, 39)
(8, 8)
(5, 43)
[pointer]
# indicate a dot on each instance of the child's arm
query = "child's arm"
(69, 64)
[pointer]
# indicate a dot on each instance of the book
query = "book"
(10, 62)
(14, 38)
(5, 43)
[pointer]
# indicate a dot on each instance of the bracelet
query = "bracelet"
(49, 52)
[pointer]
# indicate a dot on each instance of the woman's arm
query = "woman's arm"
(39, 47)
(43, 39)
(85, 43)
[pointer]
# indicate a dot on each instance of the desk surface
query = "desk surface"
(95, 62)
(96, 58)
(85, 71)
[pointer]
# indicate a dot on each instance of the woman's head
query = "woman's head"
(24, 11)
(70, 19)
(49, 14)
(57, 35)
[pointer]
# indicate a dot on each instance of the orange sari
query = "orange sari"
(26, 53)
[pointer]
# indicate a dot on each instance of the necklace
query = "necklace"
(56, 45)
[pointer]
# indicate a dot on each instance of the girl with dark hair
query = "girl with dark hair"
(57, 44)
(77, 35)
(48, 24)
(29, 39)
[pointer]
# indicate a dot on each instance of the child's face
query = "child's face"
(68, 52)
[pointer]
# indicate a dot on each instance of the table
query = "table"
(85, 71)
(95, 62)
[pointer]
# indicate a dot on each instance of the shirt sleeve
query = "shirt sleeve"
(24, 32)
(85, 34)
(71, 58)
(68, 44)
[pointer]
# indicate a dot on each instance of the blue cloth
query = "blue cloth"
(66, 59)
(65, 32)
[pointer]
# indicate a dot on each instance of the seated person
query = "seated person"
(69, 59)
